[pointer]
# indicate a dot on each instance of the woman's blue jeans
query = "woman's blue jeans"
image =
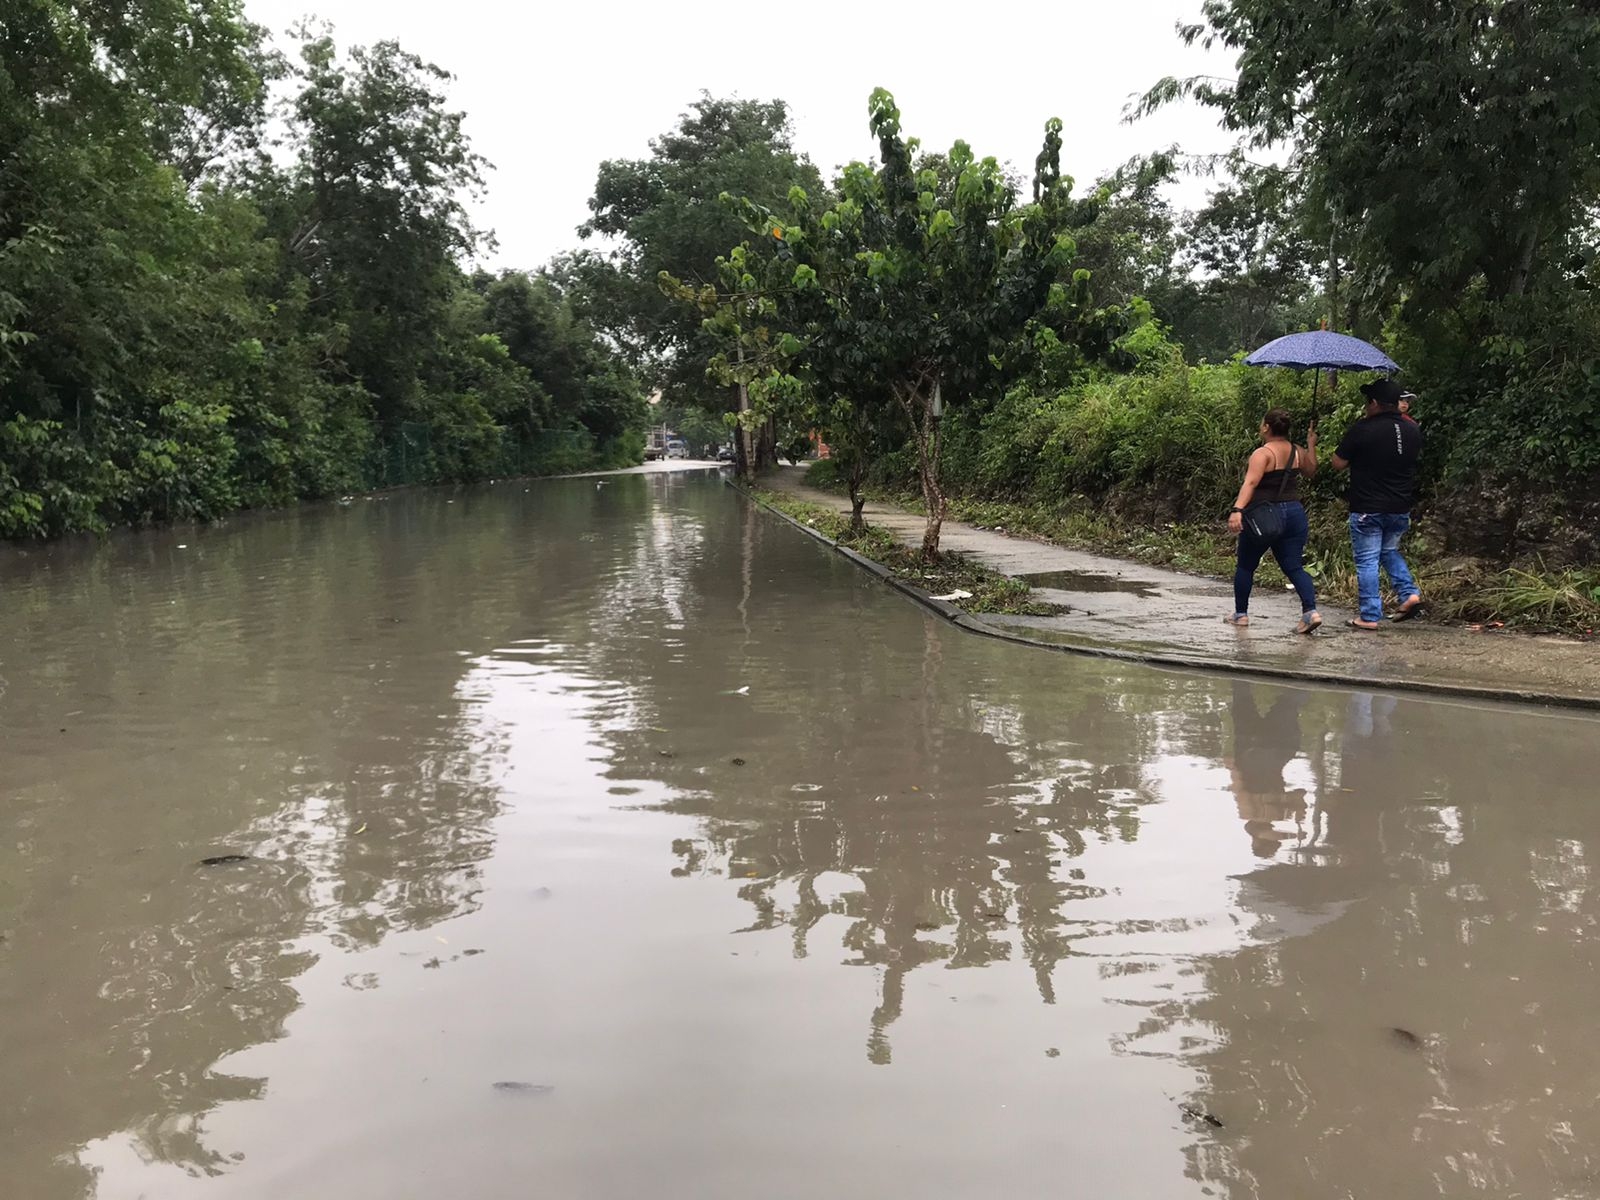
(1288, 548)
(1375, 538)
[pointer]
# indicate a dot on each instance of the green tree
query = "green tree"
(189, 323)
(577, 380)
(372, 212)
(663, 214)
(1248, 267)
(120, 290)
(1130, 248)
(928, 281)
(1439, 142)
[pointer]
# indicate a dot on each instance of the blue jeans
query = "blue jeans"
(1375, 538)
(1289, 549)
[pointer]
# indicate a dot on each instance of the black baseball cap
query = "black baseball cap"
(1385, 392)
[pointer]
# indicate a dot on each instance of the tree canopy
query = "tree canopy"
(206, 302)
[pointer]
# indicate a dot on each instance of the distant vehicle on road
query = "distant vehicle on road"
(655, 443)
(725, 454)
(677, 448)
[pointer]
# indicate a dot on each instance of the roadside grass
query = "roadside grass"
(1566, 600)
(991, 592)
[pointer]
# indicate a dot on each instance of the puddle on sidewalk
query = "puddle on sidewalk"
(1083, 581)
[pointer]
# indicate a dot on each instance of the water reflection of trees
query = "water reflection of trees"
(291, 688)
(953, 813)
(947, 818)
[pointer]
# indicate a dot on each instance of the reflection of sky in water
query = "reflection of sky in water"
(957, 914)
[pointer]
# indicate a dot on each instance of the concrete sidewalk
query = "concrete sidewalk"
(1117, 605)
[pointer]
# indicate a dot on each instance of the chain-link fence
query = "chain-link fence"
(416, 455)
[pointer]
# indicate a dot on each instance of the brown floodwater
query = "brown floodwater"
(618, 840)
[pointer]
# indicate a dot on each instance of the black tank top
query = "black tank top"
(1267, 489)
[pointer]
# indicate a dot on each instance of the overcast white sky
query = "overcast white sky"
(551, 90)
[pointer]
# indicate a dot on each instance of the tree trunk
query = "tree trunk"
(856, 477)
(746, 453)
(766, 455)
(925, 427)
(746, 462)
(1524, 267)
(933, 498)
(1333, 283)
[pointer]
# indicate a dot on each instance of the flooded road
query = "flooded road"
(613, 839)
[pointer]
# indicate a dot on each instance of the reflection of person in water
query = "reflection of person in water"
(1371, 766)
(1262, 746)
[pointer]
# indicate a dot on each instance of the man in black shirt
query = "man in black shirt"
(1381, 451)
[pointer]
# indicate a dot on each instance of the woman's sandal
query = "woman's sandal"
(1365, 628)
(1308, 627)
(1411, 608)
(1238, 620)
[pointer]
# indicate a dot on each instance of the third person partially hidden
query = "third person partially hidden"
(1268, 515)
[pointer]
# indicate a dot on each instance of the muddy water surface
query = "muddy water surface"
(615, 841)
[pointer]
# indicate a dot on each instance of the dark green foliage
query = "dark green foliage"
(1171, 437)
(1444, 170)
(665, 214)
(188, 325)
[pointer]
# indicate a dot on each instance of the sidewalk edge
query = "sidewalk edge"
(1185, 662)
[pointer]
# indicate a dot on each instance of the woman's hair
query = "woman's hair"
(1278, 421)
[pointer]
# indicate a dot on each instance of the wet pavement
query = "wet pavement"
(607, 841)
(1121, 605)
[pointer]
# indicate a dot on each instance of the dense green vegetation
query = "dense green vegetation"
(1435, 190)
(241, 274)
(231, 276)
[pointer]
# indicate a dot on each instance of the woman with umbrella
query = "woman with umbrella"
(1265, 520)
(1268, 515)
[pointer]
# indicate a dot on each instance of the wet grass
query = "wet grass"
(991, 591)
(1538, 599)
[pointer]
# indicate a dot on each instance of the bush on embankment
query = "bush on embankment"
(1146, 464)
(190, 465)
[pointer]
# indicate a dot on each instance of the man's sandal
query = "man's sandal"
(1411, 608)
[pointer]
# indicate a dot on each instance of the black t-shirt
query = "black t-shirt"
(1383, 451)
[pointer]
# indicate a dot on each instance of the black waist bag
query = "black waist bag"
(1263, 517)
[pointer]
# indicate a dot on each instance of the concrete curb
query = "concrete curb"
(1183, 662)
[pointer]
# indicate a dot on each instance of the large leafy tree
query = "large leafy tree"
(120, 291)
(188, 324)
(1439, 142)
(1131, 246)
(372, 211)
(576, 379)
(932, 282)
(662, 213)
(1249, 267)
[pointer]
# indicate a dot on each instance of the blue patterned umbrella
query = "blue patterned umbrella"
(1321, 349)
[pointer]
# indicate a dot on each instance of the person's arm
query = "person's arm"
(1306, 458)
(1341, 455)
(1253, 471)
